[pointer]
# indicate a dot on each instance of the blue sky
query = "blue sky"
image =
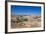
(25, 10)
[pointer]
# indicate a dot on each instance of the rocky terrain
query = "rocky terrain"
(29, 22)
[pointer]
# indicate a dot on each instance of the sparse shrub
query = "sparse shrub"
(21, 19)
(25, 19)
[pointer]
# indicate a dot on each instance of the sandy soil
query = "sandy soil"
(32, 22)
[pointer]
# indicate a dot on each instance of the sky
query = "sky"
(25, 10)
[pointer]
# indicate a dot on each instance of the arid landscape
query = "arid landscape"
(25, 16)
(24, 21)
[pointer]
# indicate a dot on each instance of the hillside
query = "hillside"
(32, 21)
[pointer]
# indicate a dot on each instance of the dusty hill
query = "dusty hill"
(30, 21)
